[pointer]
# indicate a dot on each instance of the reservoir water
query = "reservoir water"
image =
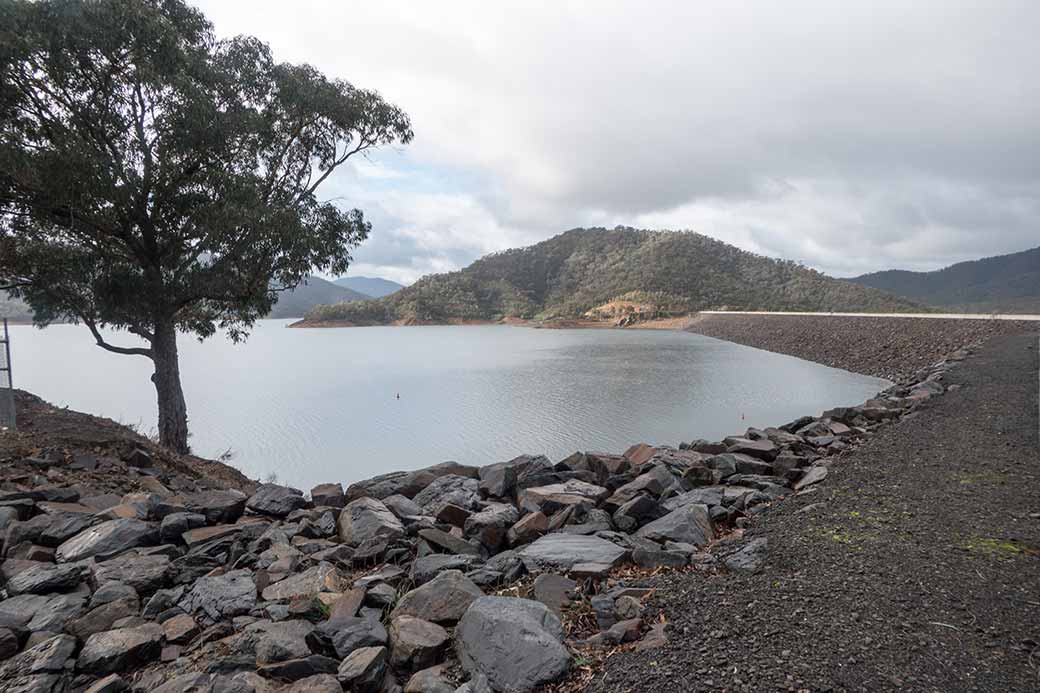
(316, 405)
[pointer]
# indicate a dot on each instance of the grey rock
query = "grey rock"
(367, 518)
(120, 650)
(45, 657)
(176, 524)
(554, 497)
(297, 669)
(515, 643)
(448, 489)
(555, 591)
(690, 524)
(104, 617)
(352, 633)
(275, 500)
(56, 612)
(363, 669)
(44, 578)
(107, 539)
(449, 542)
(762, 449)
(145, 574)
(330, 495)
(402, 506)
(281, 641)
(428, 567)
(637, 512)
(318, 683)
(813, 475)
(559, 552)
(219, 507)
(432, 680)
(490, 526)
(527, 529)
(653, 482)
(749, 557)
(657, 558)
(113, 683)
(415, 643)
(323, 577)
(219, 597)
(442, 600)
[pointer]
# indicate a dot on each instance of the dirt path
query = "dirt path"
(916, 568)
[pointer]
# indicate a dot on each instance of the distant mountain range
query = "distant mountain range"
(374, 287)
(313, 291)
(620, 275)
(1004, 284)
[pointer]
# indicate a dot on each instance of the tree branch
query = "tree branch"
(129, 351)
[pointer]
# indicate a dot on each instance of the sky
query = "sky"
(850, 136)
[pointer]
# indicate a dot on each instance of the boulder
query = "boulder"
(763, 449)
(491, 525)
(104, 617)
(352, 633)
(637, 512)
(813, 475)
(44, 578)
(107, 539)
(653, 482)
(428, 567)
(449, 542)
(515, 643)
(442, 600)
(550, 499)
(145, 574)
(219, 597)
(378, 487)
(401, 506)
(559, 552)
(180, 629)
(328, 495)
(555, 591)
(367, 518)
(448, 489)
(56, 612)
(174, 525)
(323, 577)
(116, 651)
(275, 500)
(690, 524)
(749, 557)
(415, 643)
(527, 529)
(432, 680)
(363, 670)
(318, 683)
(218, 507)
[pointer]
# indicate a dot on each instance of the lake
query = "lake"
(318, 405)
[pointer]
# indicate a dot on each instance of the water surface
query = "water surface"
(317, 405)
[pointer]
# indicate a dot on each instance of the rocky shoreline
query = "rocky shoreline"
(510, 577)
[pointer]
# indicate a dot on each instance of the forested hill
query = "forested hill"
(1005, 283)
(611, 274)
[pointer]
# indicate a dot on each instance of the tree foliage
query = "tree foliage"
(674, 273)
(156, 179)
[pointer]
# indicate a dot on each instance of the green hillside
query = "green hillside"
(653, 273)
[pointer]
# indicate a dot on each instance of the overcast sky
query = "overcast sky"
(892, 134)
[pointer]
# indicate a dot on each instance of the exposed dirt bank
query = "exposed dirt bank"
(101, 446)
(913, 568)
(890, 348)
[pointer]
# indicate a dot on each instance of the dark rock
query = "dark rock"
(448, 489)
(415, 643)
(104, 617)
(442, 600)
(107, 539)
(450, 543)
(763, 449)
(113, 683)
(656, 558)
(349, 634)
(418, 480)
(55, 613)
(490, 525)
(45, 578)
(328, 494)
(652, 482)
(402, 507)
(450, 514)
(363, 670)
(8, 643)
(527, 529)
(555, 591)
(550, 499)
(554, 552)
(145, 574)
(515, 643)
(367, 518)
(275, 500)
(218, 597)
(432, 680)
(690, 524)
(323, 577)
(46, 657)
(176, 524)
(319, 683)
(749, 557)
(115, 651)
(219, 507)
(428, 567)
(813, 475)
(637, 512)
(296, 669)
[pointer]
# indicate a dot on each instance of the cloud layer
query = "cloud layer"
(850, 138)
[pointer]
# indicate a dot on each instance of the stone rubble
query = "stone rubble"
(395, 583)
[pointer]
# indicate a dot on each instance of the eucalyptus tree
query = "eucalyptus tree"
(157, 180)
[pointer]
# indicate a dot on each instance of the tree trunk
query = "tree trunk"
(173, 413)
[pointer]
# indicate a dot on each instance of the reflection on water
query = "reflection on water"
(321, 405)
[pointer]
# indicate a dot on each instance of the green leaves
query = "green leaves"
(149, 172)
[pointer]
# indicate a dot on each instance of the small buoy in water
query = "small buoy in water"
(398, 395)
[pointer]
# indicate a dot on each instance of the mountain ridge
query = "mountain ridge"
(1001, 283)
(621, 275)
(373, 287)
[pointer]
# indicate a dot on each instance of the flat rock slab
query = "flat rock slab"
(690, 524)
(559, 552)
(107, 539)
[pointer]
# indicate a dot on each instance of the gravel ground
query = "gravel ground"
(915, 569)
(890, 348)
